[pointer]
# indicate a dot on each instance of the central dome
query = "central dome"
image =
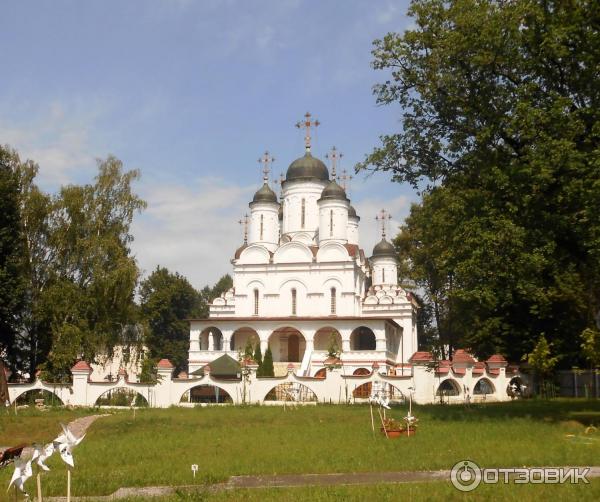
(307, 168)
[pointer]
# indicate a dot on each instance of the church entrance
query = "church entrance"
(293, 348)
(287, 345)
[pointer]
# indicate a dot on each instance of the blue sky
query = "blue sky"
(191, 93)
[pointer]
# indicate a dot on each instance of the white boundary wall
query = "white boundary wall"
(336, 387)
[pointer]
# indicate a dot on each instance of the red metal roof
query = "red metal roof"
(462, 356)
(421, 357)
(496, 358)
(81, 366)
(165, 363)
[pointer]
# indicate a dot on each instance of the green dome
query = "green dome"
(384, 248)
(333, 192)
(265, 194)
(307, 168)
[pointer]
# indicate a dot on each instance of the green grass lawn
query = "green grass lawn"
(158, 447)
(31, 425)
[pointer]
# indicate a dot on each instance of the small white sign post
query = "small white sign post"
(194, 469)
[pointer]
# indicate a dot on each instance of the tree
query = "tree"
(92, 277)
(267, 369)
(541, 359)
(257, 356)
(167, 300)
(500, 131)
(590, 346)
(12, 283)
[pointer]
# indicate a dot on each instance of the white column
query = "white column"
(194, 341)
(226, 339)
(211, 341)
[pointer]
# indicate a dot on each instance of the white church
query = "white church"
(338, 324)
(301, 281)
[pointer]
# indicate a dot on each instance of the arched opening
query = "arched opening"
(363, 338)
(448, 388)
(362, 391)
(287, 345)
(241, 337)
(483, 387)
(328, 338)
(211, 339)
(39, 397)
(206, 394)
(322, 373)
(291, 392)
(121, 397)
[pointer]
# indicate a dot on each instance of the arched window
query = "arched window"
(331, 223)
(303, 214)
(256, 302)
(294, 301)
(333, 301)
(383, 275)
(261, 227)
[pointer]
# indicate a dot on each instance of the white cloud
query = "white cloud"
(191, 229)
(370, 229)
(57, 137)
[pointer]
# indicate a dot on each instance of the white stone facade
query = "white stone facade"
(301, 280)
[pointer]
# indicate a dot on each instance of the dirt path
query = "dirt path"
(283, 481)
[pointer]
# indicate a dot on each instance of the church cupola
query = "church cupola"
(333, 208)
(384, 261)
(304, 182)
(353, 220)
(264, 211)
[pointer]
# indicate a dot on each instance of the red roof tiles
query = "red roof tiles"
(81, 366)
(462, 356)
(165, 364)
(421, 357)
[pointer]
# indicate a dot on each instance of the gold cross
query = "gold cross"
(383, 217)
(244, 223)
(345, 179)
(307, 123)
(334, 155)
(266, 160)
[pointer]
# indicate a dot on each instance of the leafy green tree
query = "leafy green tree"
(541, 359)
(12, 280)
(167, 300)
(267, 365)
(89, 296)
(500, 131)
(590, 346)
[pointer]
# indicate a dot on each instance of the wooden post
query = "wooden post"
(382, 424)
(39, 487)
(68, 485)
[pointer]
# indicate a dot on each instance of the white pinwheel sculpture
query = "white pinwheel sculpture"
(22, 473)
(65, 444)
(42, 453)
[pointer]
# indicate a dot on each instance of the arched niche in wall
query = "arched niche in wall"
(254, 254)
(332, 251)
(293, 252)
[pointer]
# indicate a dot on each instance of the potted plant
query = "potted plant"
(333, 354)
(393, 428)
